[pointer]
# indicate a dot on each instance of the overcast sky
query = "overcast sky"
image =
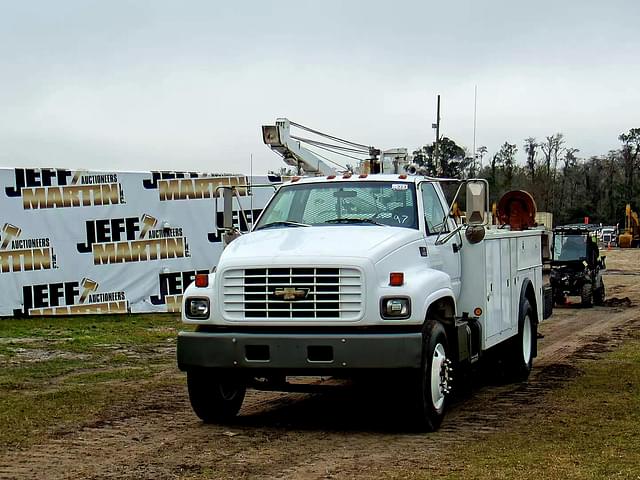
(185, 85)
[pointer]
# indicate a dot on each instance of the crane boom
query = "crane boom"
(279, 139)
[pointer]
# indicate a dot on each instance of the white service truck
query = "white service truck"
(363, 275)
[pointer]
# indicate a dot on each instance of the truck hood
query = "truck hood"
(366, 241)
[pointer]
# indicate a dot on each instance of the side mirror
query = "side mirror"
(476, 202)
(227, 206)
(228, 230)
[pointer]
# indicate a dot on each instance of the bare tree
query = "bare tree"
(507, 156)
(630, 159)
(569, 163)
(551, 149)
(531, 147)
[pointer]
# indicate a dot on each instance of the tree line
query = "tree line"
(571, 187)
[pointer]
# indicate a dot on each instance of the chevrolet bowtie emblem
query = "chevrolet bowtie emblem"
(290, 293)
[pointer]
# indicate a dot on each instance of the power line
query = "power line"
(338, 147)
(338, 153)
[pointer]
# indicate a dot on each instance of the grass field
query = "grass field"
(589, 429)
(57, 374)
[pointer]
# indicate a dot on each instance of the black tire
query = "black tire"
(520, 350)
(215, 398)
(586, 295)
(429, 394)
(599, 294)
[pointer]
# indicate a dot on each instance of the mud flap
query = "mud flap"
(468, 333)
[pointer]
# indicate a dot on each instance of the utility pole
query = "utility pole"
(435, 150)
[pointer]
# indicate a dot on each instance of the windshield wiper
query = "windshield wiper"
(283, 223)
(355, 220)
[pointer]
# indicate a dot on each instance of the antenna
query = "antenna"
(250, 189)
(475, 109)
(435, 153)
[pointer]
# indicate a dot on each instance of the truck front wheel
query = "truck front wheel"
(214, 397)
(431, 389)
(586, 295)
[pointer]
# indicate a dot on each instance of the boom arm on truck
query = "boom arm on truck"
(370, 159)
(278, 137)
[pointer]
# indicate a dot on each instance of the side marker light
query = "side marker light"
(396, 279)
(202, 280)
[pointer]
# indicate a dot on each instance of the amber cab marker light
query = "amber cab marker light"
(477, 311)
(396, 279)
(330, 177)
(202, 280)
(295, 179)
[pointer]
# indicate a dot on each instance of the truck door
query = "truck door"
(445, 257)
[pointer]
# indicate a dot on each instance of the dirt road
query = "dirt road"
(328, 435)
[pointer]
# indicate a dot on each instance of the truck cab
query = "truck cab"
(362, 275)
(609, 236)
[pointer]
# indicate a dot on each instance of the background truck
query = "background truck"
(364, 276)
(609, 236)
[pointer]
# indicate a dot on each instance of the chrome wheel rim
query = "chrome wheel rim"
(439, 376)
(526, 339)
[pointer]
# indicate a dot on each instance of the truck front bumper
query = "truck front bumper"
(297, 352)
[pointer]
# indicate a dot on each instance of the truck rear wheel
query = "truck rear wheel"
(214, 397)
(520, 351)
(598, 294)
(586, 295)
(431, 389)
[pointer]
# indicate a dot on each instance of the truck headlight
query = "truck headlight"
(197, 308)
(395, 307)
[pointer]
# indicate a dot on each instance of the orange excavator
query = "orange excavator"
(631, 235)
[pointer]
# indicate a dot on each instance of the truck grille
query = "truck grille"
(291, 293)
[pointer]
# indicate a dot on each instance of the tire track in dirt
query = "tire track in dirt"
(291, 436)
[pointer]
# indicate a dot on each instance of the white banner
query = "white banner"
(76, 242)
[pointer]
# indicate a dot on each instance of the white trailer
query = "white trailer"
(363, 275)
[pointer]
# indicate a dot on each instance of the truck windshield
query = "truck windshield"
(342, 203)
(567, 248)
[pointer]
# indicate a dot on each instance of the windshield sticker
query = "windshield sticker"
(399, 186)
